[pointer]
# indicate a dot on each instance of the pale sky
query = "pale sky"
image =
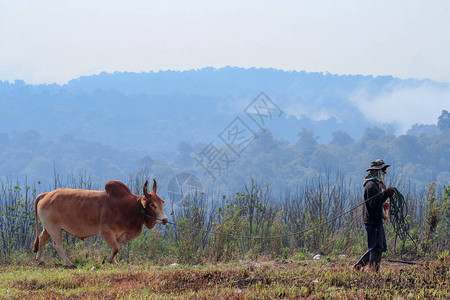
(55, 41)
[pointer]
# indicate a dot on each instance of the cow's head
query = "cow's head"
(153, 206)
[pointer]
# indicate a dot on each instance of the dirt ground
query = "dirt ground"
(312, 279)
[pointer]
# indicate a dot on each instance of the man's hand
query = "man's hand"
(386, 205)
(389, 191)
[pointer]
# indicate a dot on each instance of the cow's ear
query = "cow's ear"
(146, 190)
(154, 186)
(144, 203)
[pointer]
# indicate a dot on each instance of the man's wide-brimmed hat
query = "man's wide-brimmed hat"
(377, 165)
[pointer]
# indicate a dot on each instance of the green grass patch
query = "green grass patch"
(324, 278)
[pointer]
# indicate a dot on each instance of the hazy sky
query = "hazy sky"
(54, 41)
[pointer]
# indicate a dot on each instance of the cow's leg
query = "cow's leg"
(56, 235)
(43, 239)
(110, 238)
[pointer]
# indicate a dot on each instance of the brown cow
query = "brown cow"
(115, 214)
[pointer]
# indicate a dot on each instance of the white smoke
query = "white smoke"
(404, 106)
(300, 110)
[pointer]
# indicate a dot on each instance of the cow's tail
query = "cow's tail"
(36, 241)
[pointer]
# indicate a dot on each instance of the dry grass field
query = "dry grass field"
(312, 279)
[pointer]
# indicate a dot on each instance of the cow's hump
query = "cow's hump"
(115, 188)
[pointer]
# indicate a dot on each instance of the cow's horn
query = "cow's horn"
(154, 186)
(145, 189)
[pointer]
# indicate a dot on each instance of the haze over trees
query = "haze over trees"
(110, 125)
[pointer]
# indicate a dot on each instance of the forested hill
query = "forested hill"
(128, 110)
(111, 124)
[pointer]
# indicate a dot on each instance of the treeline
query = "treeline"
(420, 159)
(27, 154)
(254, 211)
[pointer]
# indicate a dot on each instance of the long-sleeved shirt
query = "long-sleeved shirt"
(373, 209)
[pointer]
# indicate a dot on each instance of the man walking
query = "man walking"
(375, 195)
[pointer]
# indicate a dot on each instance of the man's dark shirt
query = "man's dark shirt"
(373, 209)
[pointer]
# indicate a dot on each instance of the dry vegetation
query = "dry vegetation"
(217, 266)
(314, 279)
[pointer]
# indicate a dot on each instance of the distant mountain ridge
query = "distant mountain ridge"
(212, 81)
(157, 110)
